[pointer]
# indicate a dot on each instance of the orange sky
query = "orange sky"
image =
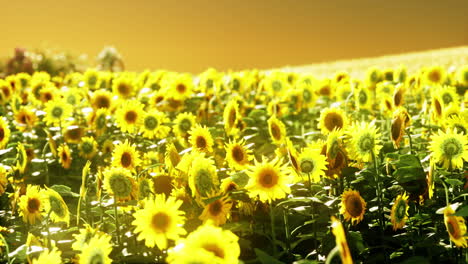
(193, 35)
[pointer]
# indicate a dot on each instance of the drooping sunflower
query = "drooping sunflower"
(102, 99)
(207, 241)
(25, 119)
(340, 240)
(65, 157)
(88, 147)
(159, 220)
(56, 112)
(180, 87)
(293, 156)
(98, 121)
(230, 116)
(277, 130)
(120, 184)
(124, 86)
(400, 122)
(57, 208)
(399, 96)
(48, 256)
(153, 124)
(183, 124)
(238, 156)
(4, 133)
(129, 116)
(312, 164)
(456, 227)
(269, 180)
(32, 205)
(217, 211)
(203, 178)
(353, 206)
(437, 107)
(73, 133)
(399, 213)
(449, 148)
(97, 250)
(21, 158)
(201, 139)
(331, 119)
(125, 156)
(172, 157)
(364, 140)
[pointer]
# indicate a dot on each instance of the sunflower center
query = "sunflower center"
(275, 131)
(401, 210)
(366, 144)
(74, 134)
(87, 147)
(203, 181)
(163, 184)
(276, 85)
(325, 90)
(120, 185)
(131, 117)
(447, 98)
(151, 122)
(124, 89)
(235, 84)
(101, 121)
(307, 166)
(215, 249)
(71, 99)
(160, 221)
(57, 112)
(56, 206)
(201, 142)
(96, 259)
(232, 117)
(268, 178)
(435, 76)
(185, 125)
(237, 154)
(181, 88)
(64, 156)
(333, 120)
(306, 95)
(92, 80)
(216, 208)
(438, 107)
(144, 189)
(126, 159)
(2, 133)
(354, 206)
(451, 147)
(33, 205)
(362, 97)
(397, 98)
(102, 102)
(396, 129)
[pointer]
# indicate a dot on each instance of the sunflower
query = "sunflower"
(462, 75)
(48, 256)
(203, 178)
(364, 141)
(331, 119)
(325, 88)
(363, 98)
(437, 107)
(340, 240)
(102, 99)
(57, 207)
(73, 133)
(353, 206)
(373, 76)
(276, 83)
(153, 125)
(277, 130)
(98, 121)
(49, 93)
(56, 112)
(293, 156)
(399, 213)
(238, 156)
(84, 236)
(3, 180)
(25, 119)
(4, 133)
(207, 241)
(400, 74)
(308, 94)
(448, 94)
(65, 157)
(401, 120)
(97, 250)
(6, 90)
(230, 116)
(32, 205)
(458, 124)
(201, 139)
(125, 156)
(21, 158)
(343, 91)
(159, 220)
(183, 123)
(456, 227)
(217, 211)
(129, 116)
(449, 148)
(269, 180)
(123, 86)
(399, 96)
(120, 184)
(434, 75)
(172, 157)
(312, 163)
(88, 147)
(180, 87)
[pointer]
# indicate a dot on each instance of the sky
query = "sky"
(191, 36)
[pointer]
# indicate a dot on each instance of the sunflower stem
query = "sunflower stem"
(286, 228)
(117, 229)
(48, 228)
(273, 234)
(7, 249)
(335, 251)
(408, 133)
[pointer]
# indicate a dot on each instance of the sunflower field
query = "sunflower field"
(103, 166)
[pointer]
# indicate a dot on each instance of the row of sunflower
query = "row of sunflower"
(246, 166)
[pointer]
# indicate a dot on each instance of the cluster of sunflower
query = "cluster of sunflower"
(169, 167)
